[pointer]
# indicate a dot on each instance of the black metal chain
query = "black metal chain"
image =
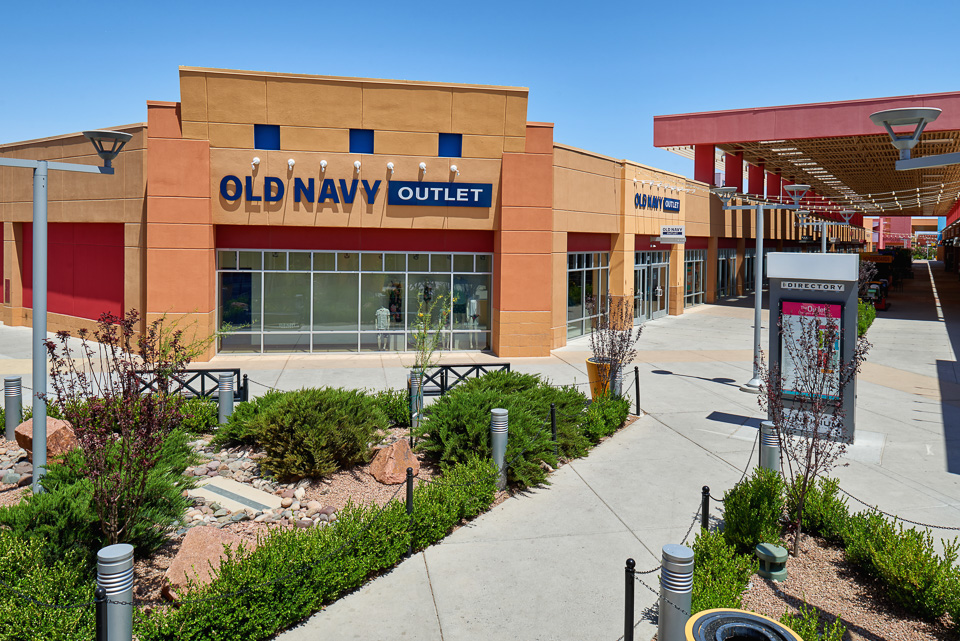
(899, 518)
(679, 609)
(696, 517)
(750, 459)
(270, 387)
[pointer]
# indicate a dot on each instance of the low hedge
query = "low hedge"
(27, 566)
(294, 573)
(753, 510)
(720, 573)
(866, 314)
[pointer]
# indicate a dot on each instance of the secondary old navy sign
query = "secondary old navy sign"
(643, 201)
(424, 194)
(672, 234)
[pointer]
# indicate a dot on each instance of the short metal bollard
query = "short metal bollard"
(410, 508)
(12, 405)
(100, 597)
(705, 508)
(636, 385)
(769, 447)
(553, 428)
(115, 575)
(629, 602)
(676, 592)
(225, 398)
(498, 441)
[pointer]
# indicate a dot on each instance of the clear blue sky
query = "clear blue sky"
(599, 70)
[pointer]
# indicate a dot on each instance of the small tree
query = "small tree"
(804, 401)
(427, 334)
(119, 429)
(868, 273)
(614, 338)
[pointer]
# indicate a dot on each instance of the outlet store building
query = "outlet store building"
(319, 214)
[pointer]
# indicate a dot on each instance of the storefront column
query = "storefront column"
(13, 312)
(710, 286)
(558, 319)
(704, 163)
(755, 176)
(179, 244)
(741, 265)
(733, 170)
(774, 185)
(524, 257)
(678, 270)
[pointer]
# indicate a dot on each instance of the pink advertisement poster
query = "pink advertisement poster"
(794, 316)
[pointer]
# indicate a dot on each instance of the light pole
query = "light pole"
(797, 192)
(822, 224)
(108, 144)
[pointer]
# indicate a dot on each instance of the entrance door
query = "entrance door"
(641, 294)
(659, 285)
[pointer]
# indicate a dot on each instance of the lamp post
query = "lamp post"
(797, 192)
(108, 144)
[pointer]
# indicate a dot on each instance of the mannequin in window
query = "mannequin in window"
(383, 324)
(459, 301)
(473, 320)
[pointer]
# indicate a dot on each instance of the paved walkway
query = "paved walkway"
(548, 564)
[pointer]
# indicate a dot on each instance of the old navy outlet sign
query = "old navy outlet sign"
(310, 190)
(643, 201)
(425, 194)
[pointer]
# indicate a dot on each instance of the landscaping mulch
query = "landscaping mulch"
(822, 577)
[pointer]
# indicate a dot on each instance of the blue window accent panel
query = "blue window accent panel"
(266, 136)
(451, 146)
(361, 141)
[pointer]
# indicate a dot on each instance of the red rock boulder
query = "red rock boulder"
(60, 437)
(390, 464)
(199, 555)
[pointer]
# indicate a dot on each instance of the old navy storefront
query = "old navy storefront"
(293, 214)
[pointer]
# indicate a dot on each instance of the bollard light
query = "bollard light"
(676, 592)
(225, 398)
(769, 446)
(115, 575)
(12, 405)
(499, 423)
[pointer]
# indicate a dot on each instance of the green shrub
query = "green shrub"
(293, 573)
(396, 405)
(825, 512)
(64, 518)
(457, 426)
(906, 561)
(53, 410)
(200, 415)
(866, 313)
(605, 416)
(720, 574)
(315, 432)
(29, 567)
(239, 428)
(752, 511)
(807, 625)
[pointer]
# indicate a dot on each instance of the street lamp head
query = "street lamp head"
(802, 216)
(797, 192)
(107, 143)
(847, 214)
(916, 117)
(725, 194)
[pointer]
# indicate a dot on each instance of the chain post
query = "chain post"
(630, 572)
(553, 427)
(705, 507)
(410, 508)
(100, 597)
(636, 383)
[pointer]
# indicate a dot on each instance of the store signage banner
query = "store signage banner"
(643, 201)
(673, 234)
(424, 194)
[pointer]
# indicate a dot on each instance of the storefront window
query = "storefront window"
(695, 273)
(298, 301)
(587, 283)
(726, 273)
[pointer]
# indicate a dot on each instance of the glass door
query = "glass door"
(658, 291)
(641, 295)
